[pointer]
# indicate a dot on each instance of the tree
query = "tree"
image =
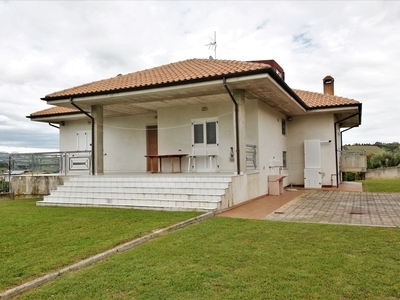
(384, 159)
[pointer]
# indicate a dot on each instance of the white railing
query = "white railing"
(56, 163)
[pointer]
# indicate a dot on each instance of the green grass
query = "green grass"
(37, 239)
(225, 258)
(381, 185)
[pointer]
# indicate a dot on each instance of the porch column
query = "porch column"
(239, 96)
(97, 114)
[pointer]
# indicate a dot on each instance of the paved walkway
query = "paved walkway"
(338, 207)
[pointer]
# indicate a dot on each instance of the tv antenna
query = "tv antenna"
(213, 45)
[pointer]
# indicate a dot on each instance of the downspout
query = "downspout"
(341, 143)
(236, 125)
(92, 121)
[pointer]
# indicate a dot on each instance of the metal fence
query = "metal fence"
(352, 152)
(4, 186)
(55, 163)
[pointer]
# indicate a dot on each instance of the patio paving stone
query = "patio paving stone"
(340, 207)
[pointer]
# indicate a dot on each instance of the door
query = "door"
(83, 141)
(152, 145)
(205, 143)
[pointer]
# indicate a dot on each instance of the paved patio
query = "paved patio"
(338, 207)
(344, 205)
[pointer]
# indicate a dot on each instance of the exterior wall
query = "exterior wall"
(125, 143)
(311, 127)
(271, 144)
(125, 137)
(175, 131)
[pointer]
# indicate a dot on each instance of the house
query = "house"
(204, 119)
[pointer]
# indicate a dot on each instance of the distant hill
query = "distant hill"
(4, 156)
(367, 149)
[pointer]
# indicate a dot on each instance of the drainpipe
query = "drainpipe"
(236, 125)
(92, 121)
(341, 143)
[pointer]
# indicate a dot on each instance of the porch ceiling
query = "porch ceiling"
(147, 101)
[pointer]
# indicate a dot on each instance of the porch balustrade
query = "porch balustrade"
(55, 163)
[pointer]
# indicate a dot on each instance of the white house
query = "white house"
(205, 120)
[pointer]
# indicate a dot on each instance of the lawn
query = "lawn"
(37, 239)
(381, 185)
(226, 258)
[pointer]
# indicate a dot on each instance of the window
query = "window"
(198, 133)
(205, 136)
(283, 126)
(284, 164)
(211, 129)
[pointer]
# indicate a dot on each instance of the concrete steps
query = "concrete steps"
(156, 192)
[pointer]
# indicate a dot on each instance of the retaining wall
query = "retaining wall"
(393, 172)
(27, 186)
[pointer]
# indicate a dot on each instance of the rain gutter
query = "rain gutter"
(236, 125)
(92, 122)
(55, 126)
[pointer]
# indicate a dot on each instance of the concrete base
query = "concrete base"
(275, 184)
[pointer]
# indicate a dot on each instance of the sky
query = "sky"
(47, 46)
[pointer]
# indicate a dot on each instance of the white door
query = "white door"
(205, 145)
(83, 141)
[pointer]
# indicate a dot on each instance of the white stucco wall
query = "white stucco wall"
(125, 143)
(271, 143)
(311, 127)
(125, 139)
(175, 131)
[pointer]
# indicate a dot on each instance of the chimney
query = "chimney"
(328, 85)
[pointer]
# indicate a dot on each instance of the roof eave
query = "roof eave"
(33, 118)
(269, 71)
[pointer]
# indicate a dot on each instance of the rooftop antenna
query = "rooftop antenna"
(213, 45)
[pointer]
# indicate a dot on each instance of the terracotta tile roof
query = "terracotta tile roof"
(54, 111)
(318, 100)
(178, 72)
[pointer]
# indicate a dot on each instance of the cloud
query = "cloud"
(51, 45)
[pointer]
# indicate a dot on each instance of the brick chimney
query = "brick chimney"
(328, 85)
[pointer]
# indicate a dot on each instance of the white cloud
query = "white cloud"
(48, 46)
